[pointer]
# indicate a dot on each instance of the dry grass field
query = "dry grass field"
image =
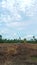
(18, 54)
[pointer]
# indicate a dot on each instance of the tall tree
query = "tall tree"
(0, 37)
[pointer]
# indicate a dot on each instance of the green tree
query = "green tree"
(0, 37)
(34, 39)
(25, 40)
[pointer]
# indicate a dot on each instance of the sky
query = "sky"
(18, 18)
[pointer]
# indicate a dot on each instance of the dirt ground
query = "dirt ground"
(18, 54)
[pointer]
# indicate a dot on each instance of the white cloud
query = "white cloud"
(12, 17)
(13, 13)
(4, 4)
(22, 4)
(5, 18)
(4, 31)
(19, 25)
(32, 10)
(8, 4)
(14, 7)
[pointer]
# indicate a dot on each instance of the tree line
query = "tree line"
(33, 40)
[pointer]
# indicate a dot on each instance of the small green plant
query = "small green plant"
(34, 58)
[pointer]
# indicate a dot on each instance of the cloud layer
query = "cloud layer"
(18, 16)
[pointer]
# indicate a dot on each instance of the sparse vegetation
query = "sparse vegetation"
(33, 40)
(34, 58)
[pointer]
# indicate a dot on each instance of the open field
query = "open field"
(18, 54)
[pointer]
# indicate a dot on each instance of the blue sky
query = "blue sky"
(18, 18)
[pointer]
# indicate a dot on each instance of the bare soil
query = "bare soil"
(18, 54)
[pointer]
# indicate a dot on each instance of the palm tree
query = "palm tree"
(34, 38)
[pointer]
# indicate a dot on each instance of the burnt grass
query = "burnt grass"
(18, 54)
